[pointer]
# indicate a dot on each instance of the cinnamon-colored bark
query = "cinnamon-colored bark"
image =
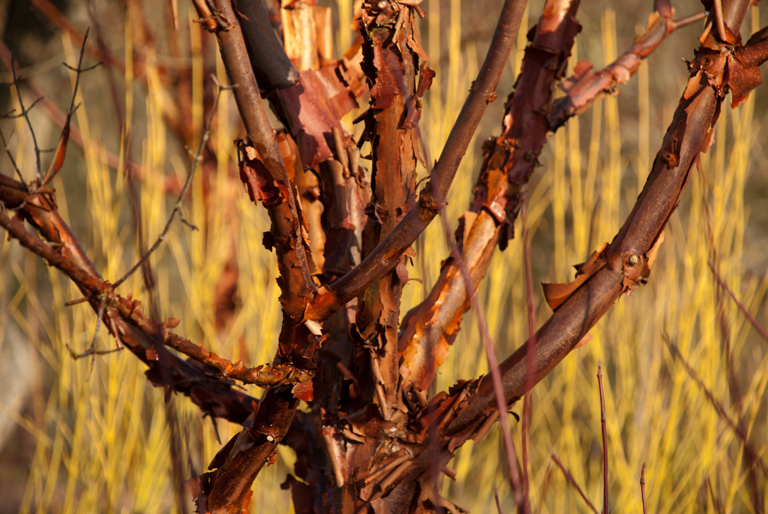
(372, 440)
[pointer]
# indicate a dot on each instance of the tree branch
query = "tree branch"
(429, 329)
(586, 87)
(387, 254)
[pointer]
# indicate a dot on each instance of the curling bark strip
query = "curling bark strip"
(387, 254)
(268, 176)
(249, 103)
(391, 52)
(430, 329)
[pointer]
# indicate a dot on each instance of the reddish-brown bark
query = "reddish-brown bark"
(430, 329)
(373, 441)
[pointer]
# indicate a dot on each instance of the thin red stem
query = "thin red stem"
(605, 439)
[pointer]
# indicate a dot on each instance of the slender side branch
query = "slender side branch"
(605, 439)
(742, 308)
(585, 87)
(571, 481)
(177, 205)
(126, 322)
(642, 487)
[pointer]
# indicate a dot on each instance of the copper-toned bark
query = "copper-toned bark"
(430, 328)
(288, 233)
(387, 254)
(268, 173)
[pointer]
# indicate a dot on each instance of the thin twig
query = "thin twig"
(716, 503)
(571, 480)
(496, 497)
(13, 161)
(91, 351)
(25, 114)
(693, 18)
(642, 487)
(719, 23)
(177, 205)
(58, 159)
(763, 333)
(531, 355)
(719, 408)
(490, 352)
(605, 439)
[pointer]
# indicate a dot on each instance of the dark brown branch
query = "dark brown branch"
(387, 254)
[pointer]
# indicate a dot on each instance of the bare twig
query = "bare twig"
(605, 439)
(13, 161)
(139, 334)
(719, 408)
(61, 150)
(530, 357)
(571, 480)
(716, 503)
(586, 87)
(760, 330)
(496, 497)
(642, 487)
(719, 23)
(177, 206)
(521, 499)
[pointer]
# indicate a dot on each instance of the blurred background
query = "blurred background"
(73, 444)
